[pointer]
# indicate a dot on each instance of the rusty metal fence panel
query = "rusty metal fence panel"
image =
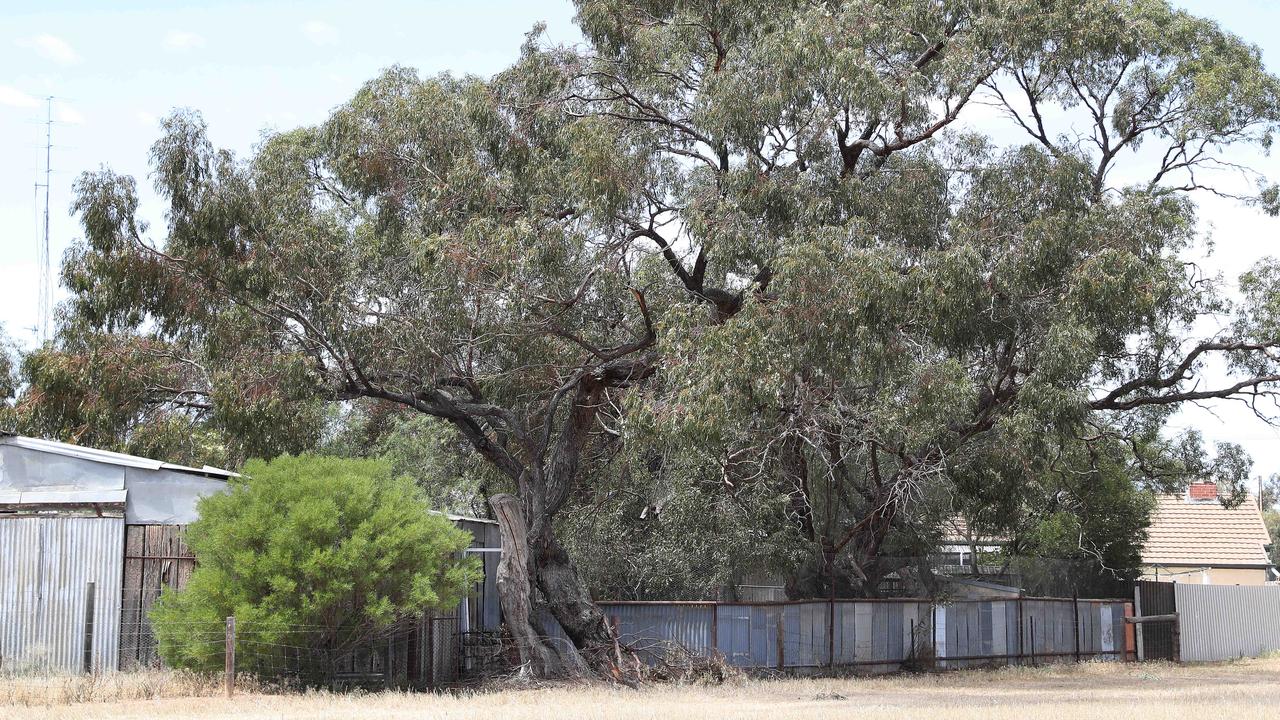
(1223, 622)
(877, 634)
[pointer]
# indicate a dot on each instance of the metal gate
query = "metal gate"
(1155, 640)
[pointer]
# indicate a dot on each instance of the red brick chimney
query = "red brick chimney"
(1203, 491)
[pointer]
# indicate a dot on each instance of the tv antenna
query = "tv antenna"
(45, 301)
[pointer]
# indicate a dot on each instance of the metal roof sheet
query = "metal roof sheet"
(108, 457)
(466, 518)
(64, 497)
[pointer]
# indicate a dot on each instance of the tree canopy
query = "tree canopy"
(748, 246)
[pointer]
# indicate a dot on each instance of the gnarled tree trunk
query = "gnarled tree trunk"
(536, 578)
(513, 589)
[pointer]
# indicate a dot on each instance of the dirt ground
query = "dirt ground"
(1243, 689)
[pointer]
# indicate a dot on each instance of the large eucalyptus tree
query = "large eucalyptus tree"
(884, 304)
(751, 229)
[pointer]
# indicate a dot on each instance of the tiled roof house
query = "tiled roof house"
(1194, 539)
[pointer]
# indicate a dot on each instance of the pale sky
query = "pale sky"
(118, 66)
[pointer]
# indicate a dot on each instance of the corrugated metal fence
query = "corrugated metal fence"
(1223, 622)
(45, 602)
(874, 633)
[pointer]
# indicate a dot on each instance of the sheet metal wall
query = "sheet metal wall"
(46, 564)
(1222, 622)
(875, 633)
(483, 609)
(155, 496)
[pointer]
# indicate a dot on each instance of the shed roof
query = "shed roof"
(106, 456)
(68, 497)
(1186, 532)
(43, 473)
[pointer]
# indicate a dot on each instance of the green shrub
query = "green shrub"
(313, 556)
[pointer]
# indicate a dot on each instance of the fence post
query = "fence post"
(1177, 638)
(933, 631)
(1130, 646)
(1137, 612)
(831, 630)
(88, 627)
(782, 658)
(1033, 640)
(1022, 647)
(231, 655)
(715, 628)
(1075, 614)
(388, 671)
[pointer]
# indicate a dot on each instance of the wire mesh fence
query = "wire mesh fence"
(59, 661)
(669, 637)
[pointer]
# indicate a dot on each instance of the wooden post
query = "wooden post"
(1137, 611)
(388, 669)
(231, 655)
(831, 628)
(715, 628)
(1022, 648)
(1033, 640)
(782, 657)
(933, 631)
(88, 627)
(1130, 648)
(1075, 613)
(1177, 629)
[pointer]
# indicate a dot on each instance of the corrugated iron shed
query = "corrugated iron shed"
(47, 570)
(63, 512)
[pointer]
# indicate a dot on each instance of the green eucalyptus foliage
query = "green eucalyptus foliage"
(314, 554)
(155, 397)
(423, 449)
(9, 362)
(910, 321)
(663, 524)
(742, 256)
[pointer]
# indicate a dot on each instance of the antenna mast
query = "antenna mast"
(45, 300)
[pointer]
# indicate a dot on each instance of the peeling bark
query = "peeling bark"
(513, 588)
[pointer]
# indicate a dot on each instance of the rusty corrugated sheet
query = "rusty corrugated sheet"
(688, 626)
(1222, 622)
(874, 633)
(46, 564)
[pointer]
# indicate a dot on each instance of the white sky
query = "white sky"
(252, 66)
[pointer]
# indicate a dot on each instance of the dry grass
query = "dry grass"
(1244, 689)
(37, 690)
